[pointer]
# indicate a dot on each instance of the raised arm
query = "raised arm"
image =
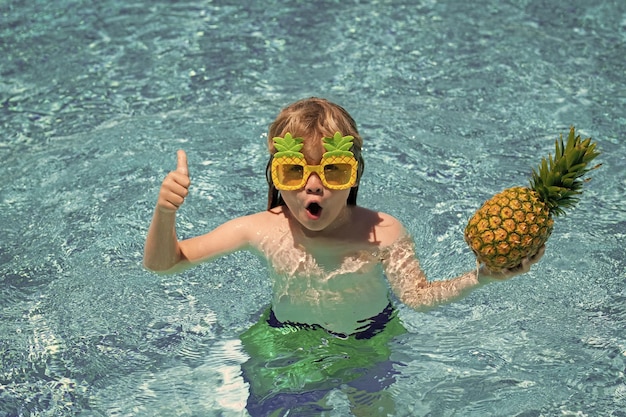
(163, 251)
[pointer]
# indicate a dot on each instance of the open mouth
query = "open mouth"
(314, 210)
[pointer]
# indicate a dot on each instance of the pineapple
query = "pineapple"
(289, 147)
(338, 152)
(338, 145)
(516, 222)
(287, 152)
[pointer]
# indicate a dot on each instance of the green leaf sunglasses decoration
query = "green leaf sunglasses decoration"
(337, 169)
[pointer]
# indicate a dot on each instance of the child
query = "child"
(331, 261)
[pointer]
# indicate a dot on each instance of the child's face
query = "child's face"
(315, 206)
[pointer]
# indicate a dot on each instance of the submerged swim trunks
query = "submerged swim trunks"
(297, 358)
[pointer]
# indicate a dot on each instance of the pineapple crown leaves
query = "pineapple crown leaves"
(288, 146)
(558, 179)
(337, 145)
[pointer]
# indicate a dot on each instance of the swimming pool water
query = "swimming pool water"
(456, 100)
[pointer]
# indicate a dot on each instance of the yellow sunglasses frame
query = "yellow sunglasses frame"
(318, 169)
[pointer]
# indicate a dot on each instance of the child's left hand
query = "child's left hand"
(522, 268)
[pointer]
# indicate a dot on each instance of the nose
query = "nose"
(314, 184)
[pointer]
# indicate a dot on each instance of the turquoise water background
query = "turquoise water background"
(456, 101)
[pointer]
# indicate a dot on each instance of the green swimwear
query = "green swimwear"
(293, 358)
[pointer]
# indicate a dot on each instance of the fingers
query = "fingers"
(181, 174)
(522, 268)
(175, 187)
(536, 257)
(527, 262)
(171, 200)
(533, 259)
(181, 165)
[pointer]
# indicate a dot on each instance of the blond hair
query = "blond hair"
(312, 119)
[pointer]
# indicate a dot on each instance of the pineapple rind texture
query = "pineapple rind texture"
(510, 226)
(515, 223)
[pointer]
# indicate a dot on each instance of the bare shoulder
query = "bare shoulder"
(385, 228)
(268, 219)
(268, 222)
(235, 234)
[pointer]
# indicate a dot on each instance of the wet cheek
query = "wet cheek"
(291, 199)
(341, 195)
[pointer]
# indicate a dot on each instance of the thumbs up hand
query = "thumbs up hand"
(181, 165)
(175, 186)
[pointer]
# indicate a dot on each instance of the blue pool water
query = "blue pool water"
(456, 100)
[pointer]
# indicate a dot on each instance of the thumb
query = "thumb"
(181, 166)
